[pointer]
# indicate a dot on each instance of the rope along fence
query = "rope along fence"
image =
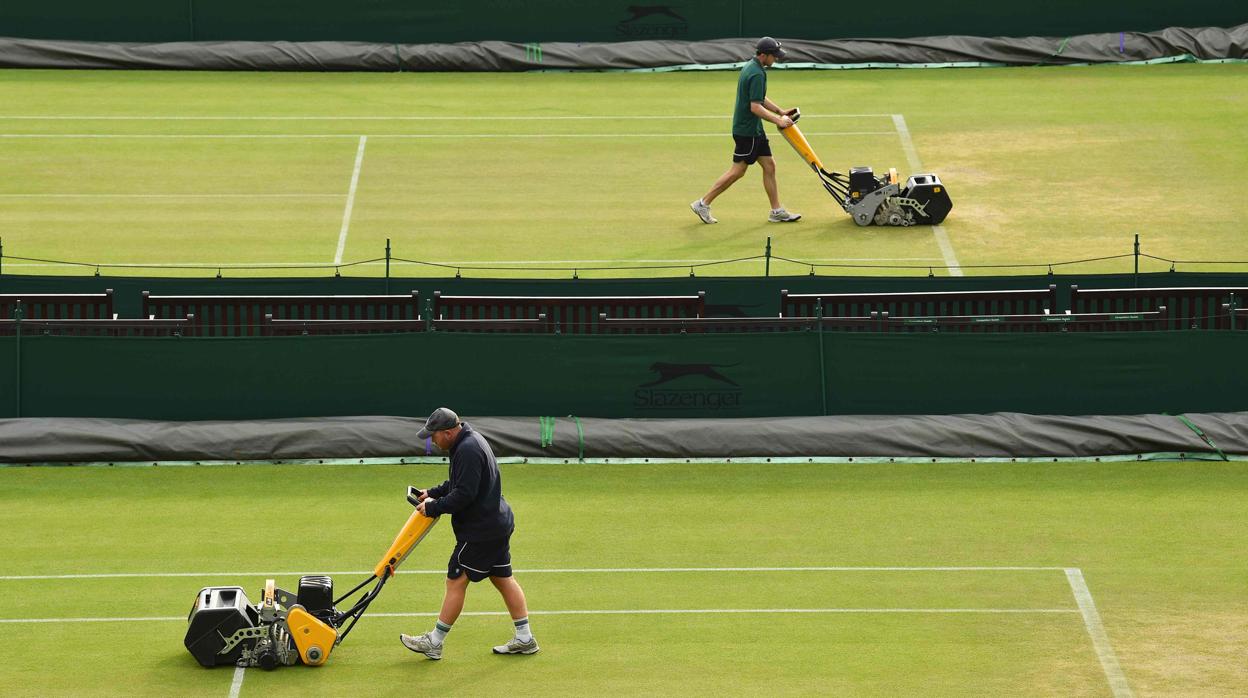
(812, 268)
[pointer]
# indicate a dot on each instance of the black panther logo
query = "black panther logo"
(670, 372)
(643, 11)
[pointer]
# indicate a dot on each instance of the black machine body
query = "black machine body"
(869, 199)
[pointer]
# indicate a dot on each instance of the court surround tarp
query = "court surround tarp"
(1167, 45)
(990, 436)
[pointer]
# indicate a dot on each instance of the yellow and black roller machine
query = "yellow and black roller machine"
(225, 628)
(869, 199)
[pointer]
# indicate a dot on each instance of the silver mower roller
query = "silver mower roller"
(869, 199)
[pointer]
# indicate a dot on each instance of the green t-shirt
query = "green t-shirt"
(751, 87)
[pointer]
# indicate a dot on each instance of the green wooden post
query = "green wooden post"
(823, 375)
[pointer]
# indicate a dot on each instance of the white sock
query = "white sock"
(440, 630)
(777, 210)
(523, 632)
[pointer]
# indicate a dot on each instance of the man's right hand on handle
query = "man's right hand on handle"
(415, 495)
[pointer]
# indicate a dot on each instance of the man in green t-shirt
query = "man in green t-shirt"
(747, 132)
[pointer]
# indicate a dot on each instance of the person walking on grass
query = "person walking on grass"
(747, 131)
(483, 525)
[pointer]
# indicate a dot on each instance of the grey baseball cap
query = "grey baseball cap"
(442, 419)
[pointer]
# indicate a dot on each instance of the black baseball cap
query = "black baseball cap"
(769, 45)
(442, 419)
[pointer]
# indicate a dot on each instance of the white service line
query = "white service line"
(916, 167)
(237, 684)
(596, 117)
(518, 263)
(346, 215)
(697, 611)
(450, 136)
(606, 612)
(564, 570)
(168, 135)
(171, 196)
(1096, 630)
(757, 260)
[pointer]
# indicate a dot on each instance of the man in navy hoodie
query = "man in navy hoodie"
(483, 524)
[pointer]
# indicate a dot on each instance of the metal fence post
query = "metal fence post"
(17, 352)
(823, 375)
(1, 255)
(1137, 260)
(767, 256)
(387, 266)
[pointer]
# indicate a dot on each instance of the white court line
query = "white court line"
(1079, 588)
(598, 117)
(564, 570)
(682, 261)
(916, 167)
(346, 215)
(453, 136)
(237, 684)
(1096, 631)
(171, 196)
(711, 611)
(679, 262)
(604, 612)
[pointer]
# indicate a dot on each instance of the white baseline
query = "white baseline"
(346, 214)
(1096, 631)
(236, 686)
(942, 239)
(452, 136)
(563, 570)
(487, 117)
(600, 612)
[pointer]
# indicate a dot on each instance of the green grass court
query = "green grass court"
(731, 579)
(1158, 544)
(568, 170)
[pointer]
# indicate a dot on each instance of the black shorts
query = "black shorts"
(480, 559)
(748, 149)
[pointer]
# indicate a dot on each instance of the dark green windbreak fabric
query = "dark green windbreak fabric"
(780, 374)
(406, 21)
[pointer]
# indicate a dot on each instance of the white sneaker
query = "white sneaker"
(782, 216)
(703, 211)
(518, 646)
(423, 644)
